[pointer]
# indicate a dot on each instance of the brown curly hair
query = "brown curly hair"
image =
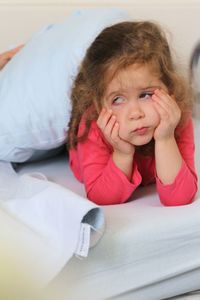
(115, 48)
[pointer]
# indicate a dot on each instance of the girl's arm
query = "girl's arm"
(123, 152)
(177, 180)
(104, 181)
(168, 160)
(184, 187)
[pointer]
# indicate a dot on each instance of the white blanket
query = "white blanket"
(44, 223)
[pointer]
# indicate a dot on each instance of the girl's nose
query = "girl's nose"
(136, 112)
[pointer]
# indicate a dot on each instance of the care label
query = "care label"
(84, 240)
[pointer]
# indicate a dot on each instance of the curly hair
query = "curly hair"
(114, 49)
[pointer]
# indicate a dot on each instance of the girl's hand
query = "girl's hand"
(169, 112)
(6, 56)
(110, 128)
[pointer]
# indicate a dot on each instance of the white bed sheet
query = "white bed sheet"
(43, 224)
(147, 252)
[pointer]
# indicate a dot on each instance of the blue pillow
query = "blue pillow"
(35, 85)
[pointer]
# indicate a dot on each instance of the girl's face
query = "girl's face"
(128, 94)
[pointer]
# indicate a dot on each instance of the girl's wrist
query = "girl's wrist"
(165, 141)
(124, 162)
(123, 158)
(125, 155)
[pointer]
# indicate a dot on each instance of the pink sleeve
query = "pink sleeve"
(104, 182)
(184, 187)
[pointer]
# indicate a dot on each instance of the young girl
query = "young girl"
(131, 121)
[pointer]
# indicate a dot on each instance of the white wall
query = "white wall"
(95, 2)
(20, 18)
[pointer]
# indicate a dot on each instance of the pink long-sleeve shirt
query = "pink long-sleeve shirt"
(92, 164)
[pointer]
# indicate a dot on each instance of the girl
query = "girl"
(131, 121)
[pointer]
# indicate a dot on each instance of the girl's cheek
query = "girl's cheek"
(122, 133)
(116, 113)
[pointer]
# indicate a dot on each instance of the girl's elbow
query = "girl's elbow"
(178, 200)
(104, 198)
(180, 196)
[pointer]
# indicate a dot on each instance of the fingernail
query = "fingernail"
(153, 96)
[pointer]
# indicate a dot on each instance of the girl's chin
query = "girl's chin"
(141, 141)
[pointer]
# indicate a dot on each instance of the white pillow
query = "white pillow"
(35, 84)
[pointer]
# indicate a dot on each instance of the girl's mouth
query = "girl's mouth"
(141, 131)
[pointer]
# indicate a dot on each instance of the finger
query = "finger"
(115, 133)
(161, 111)
(9, 54)
(16, 49)
(171, 117)
(163, 97)
(161, 92)
(13, 51)
(160, 104)
(169, 104)
(166, 102)
(109, 127)
(103, 118)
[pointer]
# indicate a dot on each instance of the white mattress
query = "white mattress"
(147, 251)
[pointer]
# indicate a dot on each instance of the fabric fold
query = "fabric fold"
(44, 219)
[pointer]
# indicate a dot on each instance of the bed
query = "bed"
(146, 251)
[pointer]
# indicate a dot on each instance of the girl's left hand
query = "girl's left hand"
(169, 113)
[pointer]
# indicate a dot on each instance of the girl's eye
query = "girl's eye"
(118, 100)
(146, 95)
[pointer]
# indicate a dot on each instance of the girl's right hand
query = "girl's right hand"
(110, 128)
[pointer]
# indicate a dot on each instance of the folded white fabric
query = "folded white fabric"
(46, 222)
